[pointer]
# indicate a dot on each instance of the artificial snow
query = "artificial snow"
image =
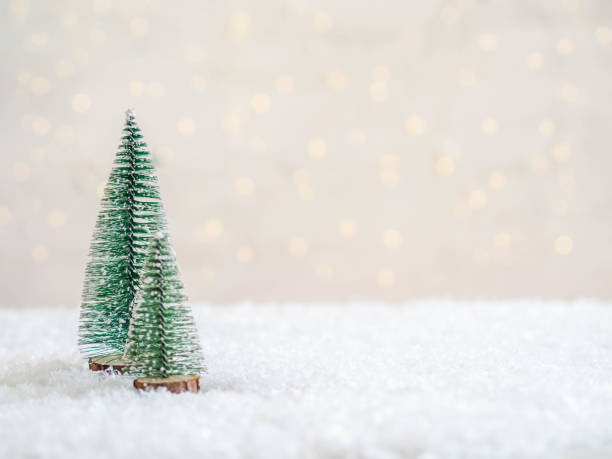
(428, 379)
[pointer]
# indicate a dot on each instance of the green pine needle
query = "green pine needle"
(162, 339)
(131, 213)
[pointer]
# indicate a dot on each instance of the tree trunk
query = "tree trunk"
(110, 363)
(174, 384)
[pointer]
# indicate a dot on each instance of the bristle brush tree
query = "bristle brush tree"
(163, 345)
(131, 213)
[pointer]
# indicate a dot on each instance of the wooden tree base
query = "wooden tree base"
(109, 363)
(174, 384)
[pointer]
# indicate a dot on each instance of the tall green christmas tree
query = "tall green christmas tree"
(163, 340)
(132, 213)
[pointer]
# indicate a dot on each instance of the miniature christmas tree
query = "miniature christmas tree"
(163, 344)
(132, 212)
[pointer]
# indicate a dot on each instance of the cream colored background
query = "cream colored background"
(310, 151)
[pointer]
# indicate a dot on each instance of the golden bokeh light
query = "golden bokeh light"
(560, 207)
(244, 255)
(302, 176)
(213, 227)
(503, 240)
(487, 42)
(81, 103)
(208, 273)
(489, 126)
(415, 125)
(186, 126)
(40, 125)
(480, 257)
(21, 171)
(317, 147)
(137, 88)
(392, 239)
(322, 20)
(101, 6)
(19, 11)
(324, 271)
(603, 35)
(347, 228)
(244, 186)
(305, 192)
(64, 68)
(496, 180)
(547, 127)
(357, 137)
(385, 277)
(298, 246)
(564, 245)
(466, 77)
(155, 90)
(97, 35)
(39, 39)
(232, 124)
(6, 216)
(381, 74)
(239, 25)
(284, 84)
(56, 219)
(534, 60)
(198, 83)
(477, 199)
(260, 103)
(565, 46)
(39, 253)
(139, 27)
(445, 166)
(70, 19)
(389, 177)
(569, 92)
(194, 53)
(389, 161)
(378, 91)
(561, 152)
(39, 86)
(336, 79)
(24, 78)
(257, 145)
(64, 135)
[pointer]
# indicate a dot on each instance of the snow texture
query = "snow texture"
(428, 379)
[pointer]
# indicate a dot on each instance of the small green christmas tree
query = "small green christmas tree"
(132, 212)
(162, 340)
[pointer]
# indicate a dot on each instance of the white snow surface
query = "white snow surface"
(426, 379)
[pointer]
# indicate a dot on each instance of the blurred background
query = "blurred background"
(317, 151)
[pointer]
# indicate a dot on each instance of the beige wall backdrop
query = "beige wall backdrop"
(317, 151)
